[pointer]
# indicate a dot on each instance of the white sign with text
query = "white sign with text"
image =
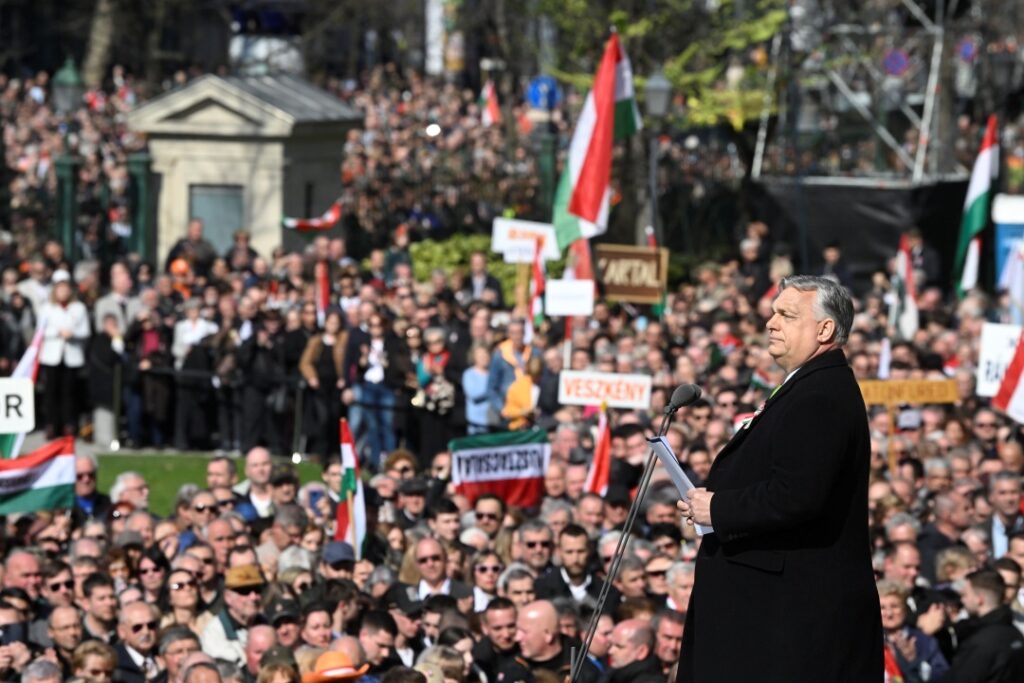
(517, 240)
(995, 352)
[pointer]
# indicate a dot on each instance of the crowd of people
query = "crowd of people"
(242, 580)
(473, 589)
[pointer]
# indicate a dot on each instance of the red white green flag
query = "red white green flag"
(324, 222)
(976, 206)
(27, 368)
(490, 112)
(507, 464)
(609, 113)
(350, 521)
(601, 468)
(537, 285)
(42, 480)
(322, 291)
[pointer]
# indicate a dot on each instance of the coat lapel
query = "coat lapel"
(829, 359)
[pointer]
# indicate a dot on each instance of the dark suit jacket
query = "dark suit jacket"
(551, 585)
(127, 670)
(784, 589)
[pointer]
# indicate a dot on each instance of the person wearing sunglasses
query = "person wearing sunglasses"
(489, 512)
(58, 587)
(136, 652)
(487, 566)
(152, 570)
(536, 543)
(225, 635)
(180, 602)
(87, 499)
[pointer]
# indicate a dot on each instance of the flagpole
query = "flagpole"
(350, 498)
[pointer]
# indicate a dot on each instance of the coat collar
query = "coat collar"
(829, 359)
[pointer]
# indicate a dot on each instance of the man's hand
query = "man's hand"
(697, 509)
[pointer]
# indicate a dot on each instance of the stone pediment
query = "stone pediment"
(211, 106)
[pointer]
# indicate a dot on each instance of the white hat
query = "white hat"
(60, 276)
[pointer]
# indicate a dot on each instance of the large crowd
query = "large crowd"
(243, 581)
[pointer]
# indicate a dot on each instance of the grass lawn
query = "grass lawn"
(165, 473)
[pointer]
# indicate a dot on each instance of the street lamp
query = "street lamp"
(657, 95)
(68, 88)
(67, 97)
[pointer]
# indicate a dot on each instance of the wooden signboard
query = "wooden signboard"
(635, 274)
(881, 392)
(893, 393)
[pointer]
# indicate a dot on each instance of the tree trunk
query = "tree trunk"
(101, 39)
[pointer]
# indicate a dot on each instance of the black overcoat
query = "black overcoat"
(784, 590)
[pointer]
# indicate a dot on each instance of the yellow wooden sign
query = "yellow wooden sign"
(911, 391)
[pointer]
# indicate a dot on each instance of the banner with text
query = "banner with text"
(508, 464)
(582, 388)
(635, 274)
(516, 240)
(995, 352)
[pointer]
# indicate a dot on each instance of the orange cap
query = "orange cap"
(333, 666)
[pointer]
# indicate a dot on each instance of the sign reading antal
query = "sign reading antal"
(635, 274)
(579, 388)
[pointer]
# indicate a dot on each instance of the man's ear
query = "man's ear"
(827, 331)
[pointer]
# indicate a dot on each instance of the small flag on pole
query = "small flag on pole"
(490, 112)
(324, 222)
(350, 522)
(600, 469)
(975, 218)
(903, 312)
(536, 291)
(323, 291)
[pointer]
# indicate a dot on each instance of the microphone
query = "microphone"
(684, 395)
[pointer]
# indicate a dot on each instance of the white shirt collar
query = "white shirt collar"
(425, 591)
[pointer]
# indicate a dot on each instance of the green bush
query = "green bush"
(455, 251)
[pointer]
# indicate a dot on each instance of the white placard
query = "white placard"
(569, 297)
(17, 405)
(995, 352)
(517, 240)
(579, 388)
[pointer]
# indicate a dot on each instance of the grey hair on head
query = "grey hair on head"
(833, 301)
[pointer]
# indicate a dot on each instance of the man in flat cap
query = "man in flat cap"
(226, 635)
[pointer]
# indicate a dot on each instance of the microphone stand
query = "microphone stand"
(577, 658)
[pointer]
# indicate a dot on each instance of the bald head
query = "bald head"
(351, 647)
(632, 641)
(537, 631)
(261, 639)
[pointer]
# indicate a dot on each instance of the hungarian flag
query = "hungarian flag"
(601, 467)
(322, 291)
(609, 113)
(42, 480)
(903, 313)
(27, 368)
(490, 112)
(350, 521)
(508, 464)
(537, 288)
(979, 196)
(325, 222)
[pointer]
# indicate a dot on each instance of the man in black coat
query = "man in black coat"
(991, 648)
(575, 579)
(136, 651)
(784, 589)
(631, 654)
